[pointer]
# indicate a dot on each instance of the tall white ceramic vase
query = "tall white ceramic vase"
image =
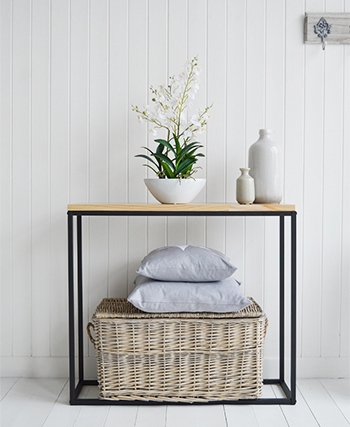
(266, 167)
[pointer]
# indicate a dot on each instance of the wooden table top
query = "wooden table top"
(203, 207)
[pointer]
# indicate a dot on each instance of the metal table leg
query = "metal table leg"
(71, 308)
(293, 305)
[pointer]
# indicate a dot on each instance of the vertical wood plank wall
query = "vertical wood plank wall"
(70, 70)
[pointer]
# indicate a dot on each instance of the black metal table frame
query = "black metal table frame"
(75, 389)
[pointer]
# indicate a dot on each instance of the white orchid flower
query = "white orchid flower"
(176, 88)
(161, 112)
(160, 97)
(183, 76)
(192, 95)
(195, 120)
(197, 71)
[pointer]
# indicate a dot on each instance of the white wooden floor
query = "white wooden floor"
(27, 402)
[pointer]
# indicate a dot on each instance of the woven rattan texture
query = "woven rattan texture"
(120, 307)
(178, 358)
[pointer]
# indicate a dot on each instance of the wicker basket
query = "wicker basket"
(183, 357)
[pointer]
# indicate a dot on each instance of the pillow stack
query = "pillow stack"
(187, 279)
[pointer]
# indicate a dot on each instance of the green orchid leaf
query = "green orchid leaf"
(148, 149)
(184, 165)
(168, 172)
(165, 144)
(191, 155)
(177, 143)
(147, 158)
(165, 159)
(160, 149)
(186, 171)
(189, 146)
(151, 168)
(186, 153)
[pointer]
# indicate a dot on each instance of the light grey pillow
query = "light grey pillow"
(155, 296)
(186, 264)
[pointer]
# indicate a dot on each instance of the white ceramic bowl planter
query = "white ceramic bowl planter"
(174, 190)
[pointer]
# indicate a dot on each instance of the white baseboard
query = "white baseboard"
(57, 367)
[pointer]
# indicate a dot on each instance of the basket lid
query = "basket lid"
(121, 308)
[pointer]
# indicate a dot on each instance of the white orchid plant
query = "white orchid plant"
(175, 156)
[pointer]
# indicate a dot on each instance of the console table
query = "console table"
(75, 288)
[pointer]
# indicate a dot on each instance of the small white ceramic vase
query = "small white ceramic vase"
(173, 190)
(245, 193)
(266, 167)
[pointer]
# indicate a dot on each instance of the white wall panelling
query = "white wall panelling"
(157, 72)
(22, 128)
(118, 153)
(40, 181)
(294, 136)
(6, 180)
(344, 348)
(70, 70)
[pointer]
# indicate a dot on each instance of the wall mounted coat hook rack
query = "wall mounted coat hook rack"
(335, 27)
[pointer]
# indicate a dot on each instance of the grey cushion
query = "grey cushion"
(186, 264)
(155, 296)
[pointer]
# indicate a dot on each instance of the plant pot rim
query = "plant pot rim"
(173, 179)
